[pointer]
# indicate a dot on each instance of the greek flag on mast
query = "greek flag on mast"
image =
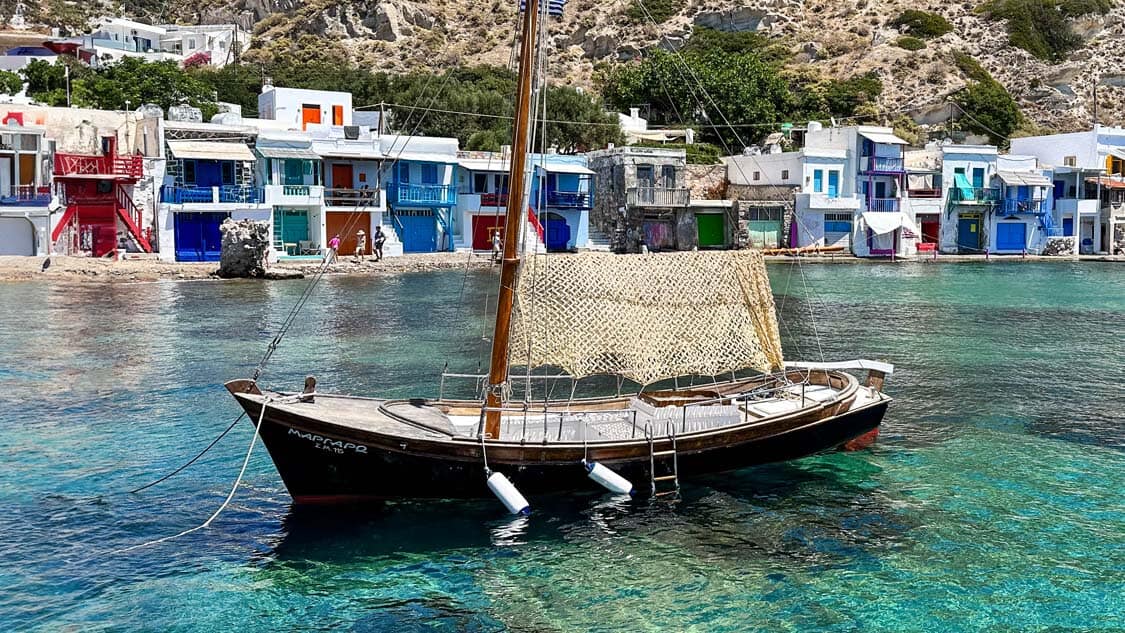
(554, 7)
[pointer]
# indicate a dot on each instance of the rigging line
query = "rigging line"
(738, 137)
(494, 116)
(193, 459)
(226, 502)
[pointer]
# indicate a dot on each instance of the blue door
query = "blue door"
(419, 230)
(197, 236)
(968, 234)
(558, 234)
(208, 173)
(833, 184)
(1068, 227)
(1011, 236)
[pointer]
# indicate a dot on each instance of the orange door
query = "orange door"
(346, 225)
(341, 176)
(309, 114)
(337, 115)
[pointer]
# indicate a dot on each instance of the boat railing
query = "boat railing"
(606, 420)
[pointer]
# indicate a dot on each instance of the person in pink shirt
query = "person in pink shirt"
(333, 247)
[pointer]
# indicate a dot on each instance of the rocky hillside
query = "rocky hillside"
(837, 38)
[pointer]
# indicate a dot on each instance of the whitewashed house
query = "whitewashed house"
(1087, 178)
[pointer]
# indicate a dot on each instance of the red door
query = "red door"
(341, 176)
(482, 230)
(930, 232)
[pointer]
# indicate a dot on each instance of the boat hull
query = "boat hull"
(319, 467)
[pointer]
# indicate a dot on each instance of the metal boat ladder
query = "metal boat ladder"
(669, 482)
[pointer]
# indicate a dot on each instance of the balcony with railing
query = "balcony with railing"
(25, 196)
(923, 193)
(129, 167)
(974, 195)
(883, 205)
(565, 199)
(658, 196)
(1009, 206)
(356, 198)
(426, 195)
(226, 194)
(882, 165)
(293, 195)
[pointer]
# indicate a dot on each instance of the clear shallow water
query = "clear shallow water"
(995, 498)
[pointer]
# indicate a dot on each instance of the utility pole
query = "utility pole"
(382, 117)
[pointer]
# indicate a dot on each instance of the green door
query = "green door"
(290, 226)
(711, 229)
(764, 233)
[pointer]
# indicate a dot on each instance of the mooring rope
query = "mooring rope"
(193, 459)
(226, 502)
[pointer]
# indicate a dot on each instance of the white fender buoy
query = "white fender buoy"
(608, 479)
(507, 494)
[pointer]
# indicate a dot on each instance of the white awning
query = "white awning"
(210, 150)
(1116, 152)
(1018, 178)
(883, 137)
(565, 168)
(883, 222)
(287, 150)
(484, 164)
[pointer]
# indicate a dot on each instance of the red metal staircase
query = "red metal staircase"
(130, 215)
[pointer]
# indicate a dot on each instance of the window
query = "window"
(337, 115)
(404, 172)
(785, 174)
(668, 175)
(191, 44)
(189, 172)
(757, 175)
(228, 172)
(501, 182)
(645, 176)
(817, 181)
(480, 183)
(833, 184)
(429, 174)
(764, 214)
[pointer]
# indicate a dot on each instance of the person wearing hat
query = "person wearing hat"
(360, 245)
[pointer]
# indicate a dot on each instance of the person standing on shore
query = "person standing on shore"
(333, 248)
(360, 245)
(377, 241)
(497, 246)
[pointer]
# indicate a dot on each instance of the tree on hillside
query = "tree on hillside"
(10, 83)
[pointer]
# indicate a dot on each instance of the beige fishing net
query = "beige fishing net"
(646, 317)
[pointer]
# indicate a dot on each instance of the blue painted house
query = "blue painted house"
(1022, 218)
(420, 174)
(561, 198)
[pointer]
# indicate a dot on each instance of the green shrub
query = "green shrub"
(910, 43)
(697, 153)
(660, 10)
(705, 40)
(925, 25)
(1041, 27)
(970, 67)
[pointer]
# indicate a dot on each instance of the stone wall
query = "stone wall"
(1117, 246)
(1058, 246)
(773, 193)
(707, 182)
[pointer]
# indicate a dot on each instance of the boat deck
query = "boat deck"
(607, 420)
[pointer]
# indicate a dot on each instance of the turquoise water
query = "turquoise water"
(994, 499)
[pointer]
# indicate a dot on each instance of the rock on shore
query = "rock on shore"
(245, 246)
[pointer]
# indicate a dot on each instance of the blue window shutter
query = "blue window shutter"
(818, 181)
(833, 184)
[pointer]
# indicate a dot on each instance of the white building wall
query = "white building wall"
(783, 169)
(286, 104)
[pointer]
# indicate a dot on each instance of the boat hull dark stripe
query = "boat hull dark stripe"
(319, 471)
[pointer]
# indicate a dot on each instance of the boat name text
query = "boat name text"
(328, 444)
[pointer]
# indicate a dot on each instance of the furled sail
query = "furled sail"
(646, 317)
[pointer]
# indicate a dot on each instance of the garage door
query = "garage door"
(838, 230)
(347, 225)
(764, 233)
(482, 230)
(711, 230)
(418, 230)
(659, 235)
(17, 237)
(1011, 236)
(198, 238)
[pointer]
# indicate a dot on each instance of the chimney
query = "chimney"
(505, 152)
(634, 114)
(267, 84)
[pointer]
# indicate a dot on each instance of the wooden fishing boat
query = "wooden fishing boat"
(646, 318)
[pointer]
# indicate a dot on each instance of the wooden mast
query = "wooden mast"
(498, 369)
